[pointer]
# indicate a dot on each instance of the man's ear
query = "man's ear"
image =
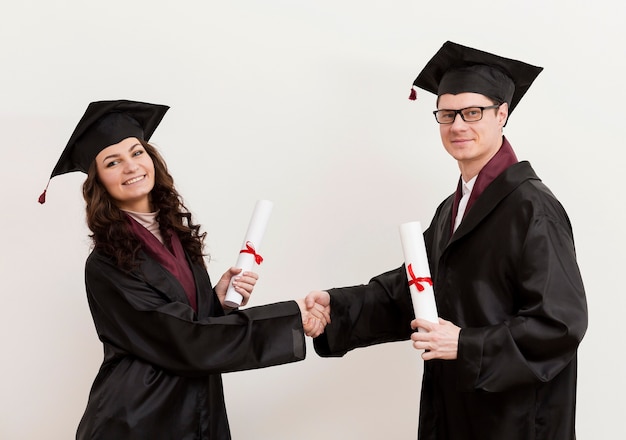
(503, 113)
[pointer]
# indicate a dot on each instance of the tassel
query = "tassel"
(42, 197)
(413, 95)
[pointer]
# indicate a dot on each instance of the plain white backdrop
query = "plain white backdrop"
(305, 104)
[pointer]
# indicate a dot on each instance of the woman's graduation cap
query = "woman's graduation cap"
(106, 123)
(460, 69)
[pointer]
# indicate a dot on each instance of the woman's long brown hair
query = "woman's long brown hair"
(109, 226)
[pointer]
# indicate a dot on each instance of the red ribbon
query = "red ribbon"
(417, 280)
(250, 250)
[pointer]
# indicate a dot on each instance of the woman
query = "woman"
(166, 335)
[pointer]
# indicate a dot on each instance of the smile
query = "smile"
(460, 141)
(134, 180)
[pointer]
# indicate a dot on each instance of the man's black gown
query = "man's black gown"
(508, 277)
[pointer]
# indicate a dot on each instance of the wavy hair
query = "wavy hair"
(109, 226)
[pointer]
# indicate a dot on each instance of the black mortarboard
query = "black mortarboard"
(459, 69)
(106, 123)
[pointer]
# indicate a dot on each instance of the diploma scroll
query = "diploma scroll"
(248, 255)
(418, 272)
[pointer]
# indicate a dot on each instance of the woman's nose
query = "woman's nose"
(130, 166)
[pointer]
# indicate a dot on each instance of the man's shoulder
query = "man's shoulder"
(533, 194)
(522, 179)
(519, 172)
(523, 175)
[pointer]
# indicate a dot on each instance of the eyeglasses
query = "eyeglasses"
(468, 114)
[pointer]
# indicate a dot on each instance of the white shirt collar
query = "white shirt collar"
(467, 187)
(466, 190)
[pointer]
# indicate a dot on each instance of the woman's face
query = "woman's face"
(127, 172)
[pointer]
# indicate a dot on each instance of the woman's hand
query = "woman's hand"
(242, 282)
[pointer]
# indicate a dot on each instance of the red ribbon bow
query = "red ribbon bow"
(417, 280)
(250, 250)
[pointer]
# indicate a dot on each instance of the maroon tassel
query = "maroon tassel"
(42, 197)
(413, 95)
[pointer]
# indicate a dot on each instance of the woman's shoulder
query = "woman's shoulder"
(98, 258)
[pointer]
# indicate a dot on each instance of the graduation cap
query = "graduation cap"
(460, 69)
(106, 123)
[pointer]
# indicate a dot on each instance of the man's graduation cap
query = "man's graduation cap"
(106, 123)
(460, 69)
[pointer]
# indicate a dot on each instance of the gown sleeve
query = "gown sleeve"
(368, 314)
(541, 338)
(136, 320)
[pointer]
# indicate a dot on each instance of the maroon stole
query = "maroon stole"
(173, 258)
(504, 158)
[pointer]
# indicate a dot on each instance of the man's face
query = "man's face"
(472, 144)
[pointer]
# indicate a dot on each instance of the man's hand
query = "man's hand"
(440, 341)
(315, 310)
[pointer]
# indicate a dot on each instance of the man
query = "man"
(501, 361)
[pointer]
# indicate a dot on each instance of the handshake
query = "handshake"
(315, 310)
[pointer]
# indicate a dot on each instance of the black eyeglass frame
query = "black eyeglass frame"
(460, 113)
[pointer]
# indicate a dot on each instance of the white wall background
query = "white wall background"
(305, 104)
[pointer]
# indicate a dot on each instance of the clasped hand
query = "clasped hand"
(315, 309)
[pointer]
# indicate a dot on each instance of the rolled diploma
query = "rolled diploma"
(253, 238)
(415, 259)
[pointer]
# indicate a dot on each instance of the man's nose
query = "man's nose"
(457, 117)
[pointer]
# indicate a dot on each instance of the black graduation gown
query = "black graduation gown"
(508, 277)
(160, 378)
